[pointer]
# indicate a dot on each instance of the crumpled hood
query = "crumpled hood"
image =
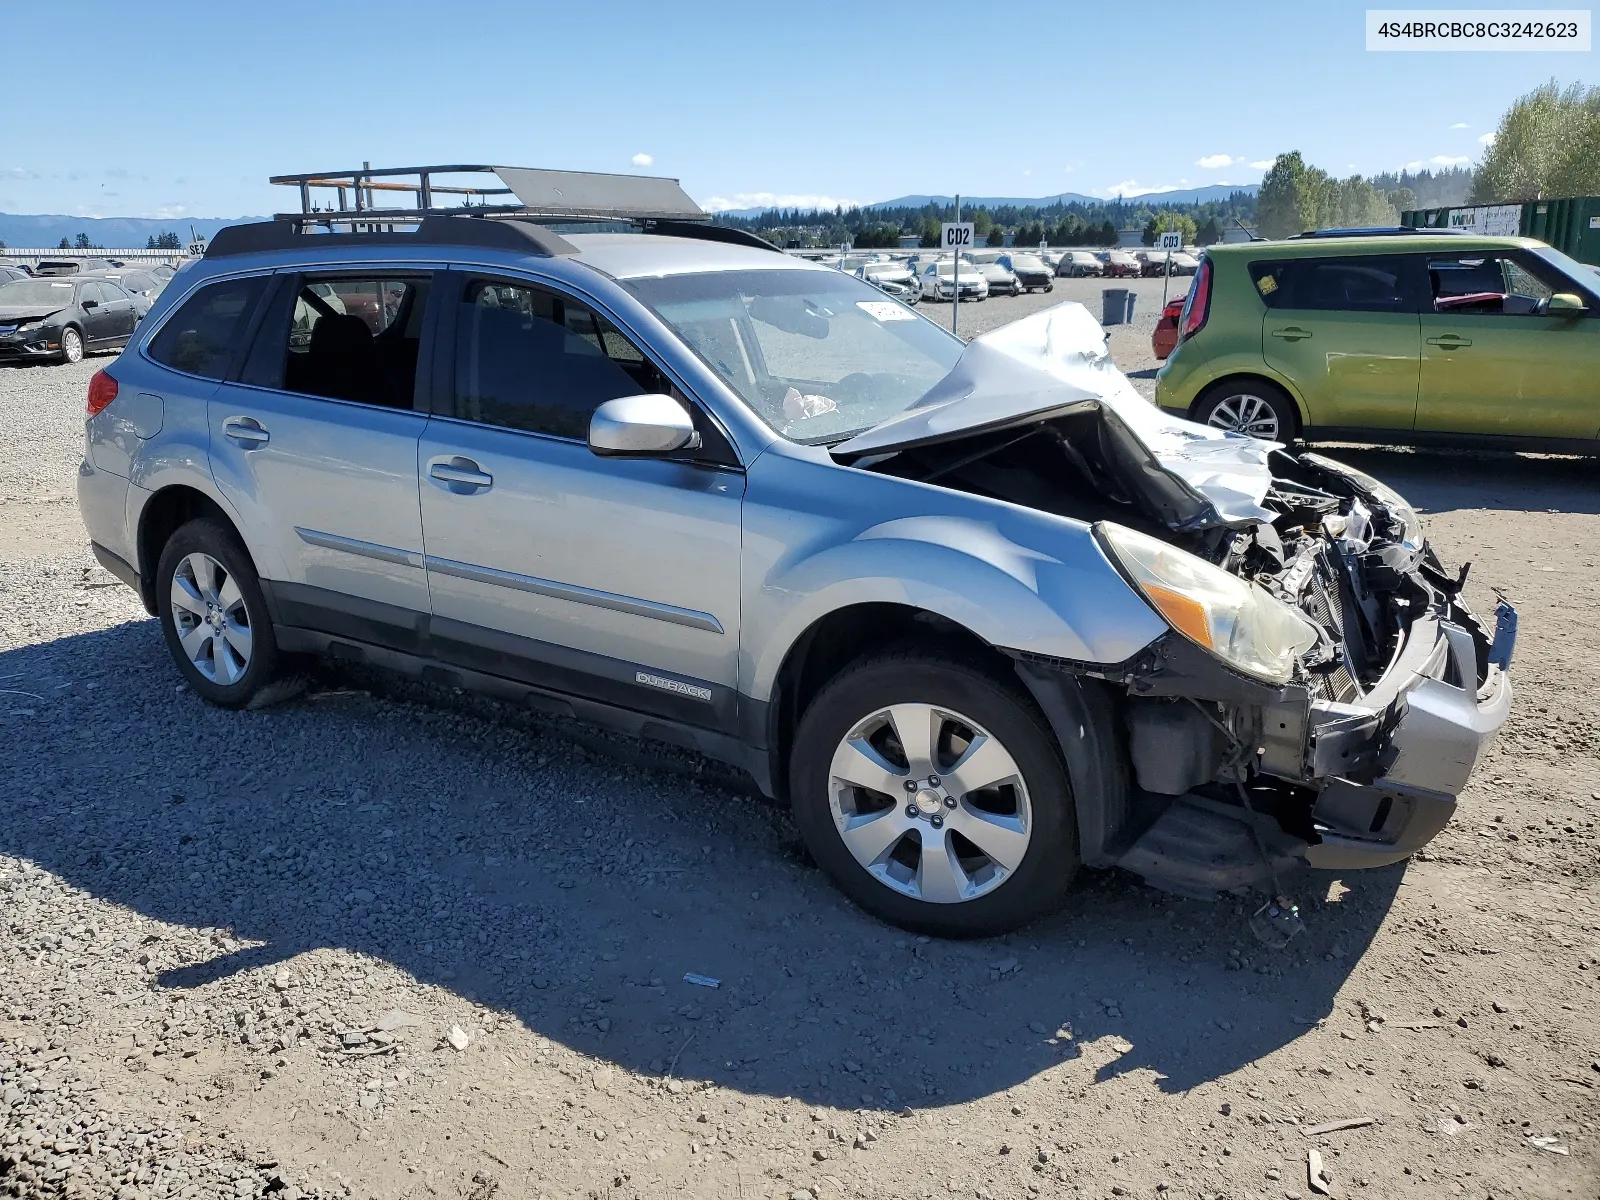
(27, 312)
(1056, 361)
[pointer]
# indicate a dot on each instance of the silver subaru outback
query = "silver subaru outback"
(978, 612)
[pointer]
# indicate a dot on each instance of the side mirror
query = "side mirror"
(1566, 302)
(88, 304)
(641, 427)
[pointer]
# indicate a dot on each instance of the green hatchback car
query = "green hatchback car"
(1420, 337)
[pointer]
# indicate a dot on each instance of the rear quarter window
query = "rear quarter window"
(203, 336)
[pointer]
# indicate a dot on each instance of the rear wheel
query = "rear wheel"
(1249, 406)
(214, 616)
(71, 345)
(933, 794)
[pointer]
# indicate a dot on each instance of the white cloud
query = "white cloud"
(1132, 187)
(643, 160)
(1486, 139)
(774, 200)
(1263, 164)
(1438, 160)
(1215, 162)
(17, 173)
(1460, 125)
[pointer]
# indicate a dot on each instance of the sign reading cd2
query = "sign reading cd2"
(956, 235)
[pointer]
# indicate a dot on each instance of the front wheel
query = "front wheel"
(1249, 406)
(71, 345)
(933, 793)
(214, 616)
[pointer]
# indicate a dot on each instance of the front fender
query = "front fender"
(820, 537)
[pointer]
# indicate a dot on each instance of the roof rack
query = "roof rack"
(1374, 231)
(359, 196)
(541, 198)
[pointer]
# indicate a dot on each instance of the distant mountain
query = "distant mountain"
(1217, 191)
(987, 201)
(114, 233)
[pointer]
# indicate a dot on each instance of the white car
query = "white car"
(938, 281)
(892, 278)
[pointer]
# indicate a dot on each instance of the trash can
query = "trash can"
(1118, 305)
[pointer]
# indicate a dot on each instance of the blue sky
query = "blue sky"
(828, 102)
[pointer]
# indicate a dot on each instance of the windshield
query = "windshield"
(1026, 262)
(817, 355)
(1584, 277)
(36, 293)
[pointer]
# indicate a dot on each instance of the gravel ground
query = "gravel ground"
(384, 942)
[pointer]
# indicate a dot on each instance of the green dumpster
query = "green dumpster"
(1571, 225)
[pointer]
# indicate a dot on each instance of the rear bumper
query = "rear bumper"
(1391, 767)
(117, 566)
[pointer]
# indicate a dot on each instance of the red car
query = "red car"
(1119, 263)
(1165, 339)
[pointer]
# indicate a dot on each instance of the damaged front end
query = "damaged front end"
(1355, 760)
(1324, 692)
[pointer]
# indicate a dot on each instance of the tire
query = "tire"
(1251, 406)
(71, 345)
(223, 616)
(1028, 821)
(1049, 287)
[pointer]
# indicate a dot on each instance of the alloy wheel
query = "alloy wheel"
(212, 621)
(1246, 414)
(930, 803)
(72, 346)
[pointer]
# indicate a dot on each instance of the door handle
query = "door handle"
(460, 475)
(1292, 333)
(1450, 341)
(245, 431)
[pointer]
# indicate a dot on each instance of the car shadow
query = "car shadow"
(573, 879)
(1448, 480)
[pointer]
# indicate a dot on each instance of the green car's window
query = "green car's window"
(1487, 282)
(1375, 283)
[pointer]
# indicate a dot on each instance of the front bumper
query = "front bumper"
(44, 342)
(1391, 765)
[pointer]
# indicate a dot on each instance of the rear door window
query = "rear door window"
(346, 337)
(1376, 283)
(203, 336)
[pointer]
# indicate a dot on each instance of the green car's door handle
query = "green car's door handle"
(1291, 333)
(1450, 341)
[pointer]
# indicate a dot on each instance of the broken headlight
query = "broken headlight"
(1410, 526)
(1239, 622)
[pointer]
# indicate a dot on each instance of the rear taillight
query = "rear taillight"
(102, 391)
(1199, 304)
